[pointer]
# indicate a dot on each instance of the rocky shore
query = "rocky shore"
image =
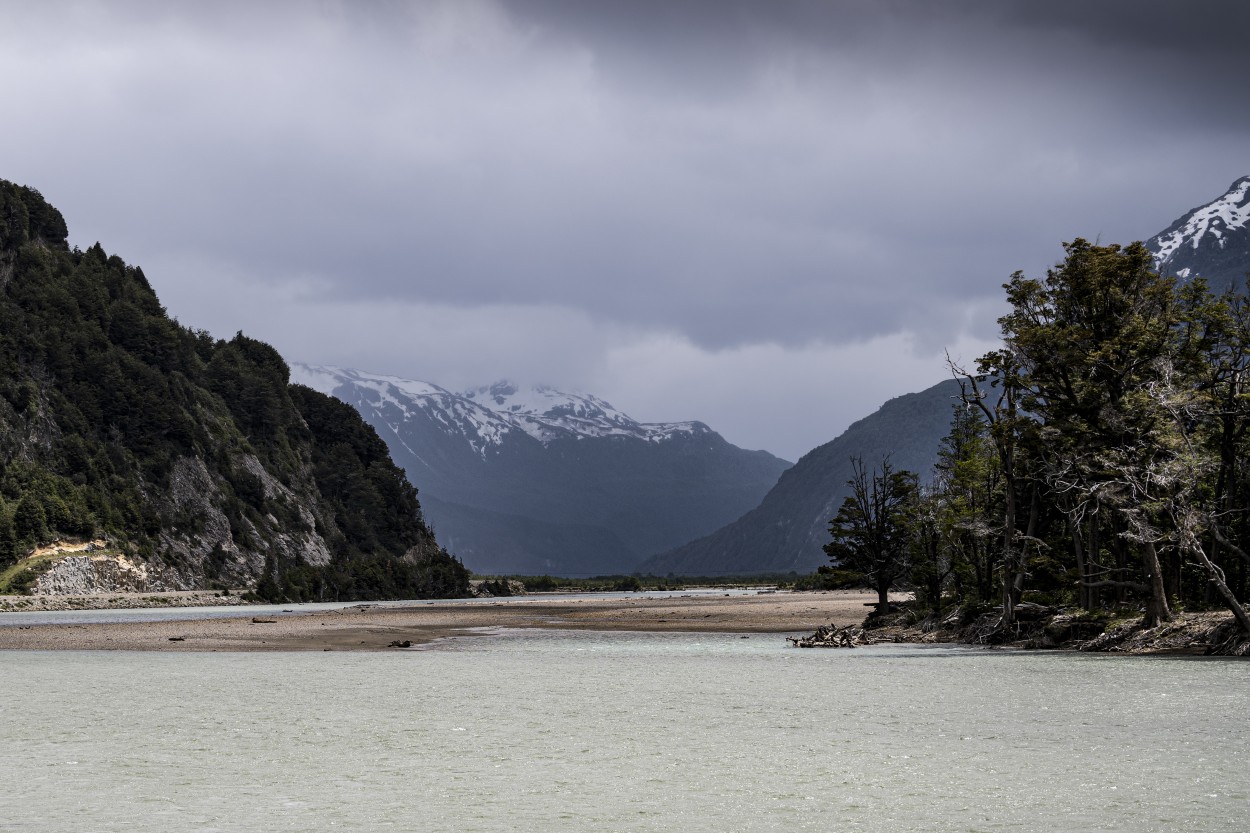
(1206, 633)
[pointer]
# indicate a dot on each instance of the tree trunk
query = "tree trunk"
(1216, 577)
(1157, 609)
(1092, 562)
(1082, 566)
(1009, 550)
(883, 597)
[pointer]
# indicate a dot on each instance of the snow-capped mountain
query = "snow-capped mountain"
(405, 400)
(485, 416)
(1211, 241)
(537, 480)
(547, 414)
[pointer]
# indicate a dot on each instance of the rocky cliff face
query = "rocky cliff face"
(84, 575)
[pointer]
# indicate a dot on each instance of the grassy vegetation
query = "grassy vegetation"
(17, 579)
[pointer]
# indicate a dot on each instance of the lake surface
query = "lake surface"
(576, 731)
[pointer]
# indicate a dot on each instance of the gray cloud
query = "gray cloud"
(755, 185)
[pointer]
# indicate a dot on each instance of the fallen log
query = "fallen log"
(827, 636)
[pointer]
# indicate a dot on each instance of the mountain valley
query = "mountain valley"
(539, 481)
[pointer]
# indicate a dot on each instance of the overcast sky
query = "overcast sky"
(769, 216)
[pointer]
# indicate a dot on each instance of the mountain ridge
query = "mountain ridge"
(1211, 241)
(544, 481)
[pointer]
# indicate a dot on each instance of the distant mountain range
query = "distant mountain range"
(1211, 241)
(788, 528)
(537, 480)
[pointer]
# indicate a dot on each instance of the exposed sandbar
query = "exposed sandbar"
(375, 628)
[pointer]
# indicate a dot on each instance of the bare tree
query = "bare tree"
(871, 530)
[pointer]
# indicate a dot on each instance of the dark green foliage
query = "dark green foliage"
(540, 584)
(102, 395)
(25, 216)
(1108, 469)
(8, 538)
(30, 521)
(373, 504)
(377, 576)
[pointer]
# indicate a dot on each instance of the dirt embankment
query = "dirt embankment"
(1046, 628)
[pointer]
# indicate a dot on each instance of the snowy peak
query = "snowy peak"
(485, 416)
(325, 379)
(542, 401)
(546, 413)
(395, 402)
(1211, 241)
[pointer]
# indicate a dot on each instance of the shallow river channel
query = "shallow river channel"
(578, 731)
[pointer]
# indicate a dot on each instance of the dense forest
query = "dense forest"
(191, 455)
(1100, 459)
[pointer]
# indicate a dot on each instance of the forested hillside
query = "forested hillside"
(192, 457)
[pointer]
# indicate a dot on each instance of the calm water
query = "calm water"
(553, 731)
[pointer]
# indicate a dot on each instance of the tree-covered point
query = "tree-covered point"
(190, 453)
(1100, 458)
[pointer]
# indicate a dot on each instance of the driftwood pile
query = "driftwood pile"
(827, 636)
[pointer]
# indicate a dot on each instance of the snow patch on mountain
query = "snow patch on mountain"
(1212, 222)
(396, 400)
(546, 413)
(485, 416)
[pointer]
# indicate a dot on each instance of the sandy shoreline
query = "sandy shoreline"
(375, 628)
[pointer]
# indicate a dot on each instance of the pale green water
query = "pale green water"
(543, 731)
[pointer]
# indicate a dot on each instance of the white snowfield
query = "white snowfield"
(484, 416)
(1229, 212)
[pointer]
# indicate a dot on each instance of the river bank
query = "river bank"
(1203, 633)
(377, 628)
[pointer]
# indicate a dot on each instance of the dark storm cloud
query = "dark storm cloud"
(749, 181)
